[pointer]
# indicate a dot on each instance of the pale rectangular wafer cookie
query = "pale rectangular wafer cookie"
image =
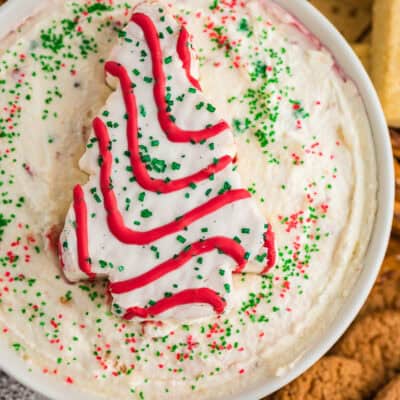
(386, 57)
(363, 52)
(351, 20)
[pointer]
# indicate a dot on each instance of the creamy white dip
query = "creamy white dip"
(304, 152)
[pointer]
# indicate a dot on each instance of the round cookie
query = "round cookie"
(393, 248)
(391, 391)
(374, 341)
(395, 139)
(333, 378)
(386, 292)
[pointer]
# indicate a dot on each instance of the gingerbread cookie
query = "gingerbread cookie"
(333, 378)
(396, 219)
(374, 342)
(397, 172)
(391, 391)
(386, 293)
(395, 138)
(393, 248)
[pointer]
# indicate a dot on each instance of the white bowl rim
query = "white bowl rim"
(14, 12)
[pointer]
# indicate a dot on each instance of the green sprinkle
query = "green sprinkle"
(214, 5)
(210, 108)
(175, 166)
(146, 214)
(143, 112)
(181, 239)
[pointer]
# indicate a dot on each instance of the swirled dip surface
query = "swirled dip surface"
(304, 153)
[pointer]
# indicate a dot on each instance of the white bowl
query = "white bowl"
(15, 11)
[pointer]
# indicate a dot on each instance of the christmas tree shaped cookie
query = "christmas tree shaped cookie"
(164, 216)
